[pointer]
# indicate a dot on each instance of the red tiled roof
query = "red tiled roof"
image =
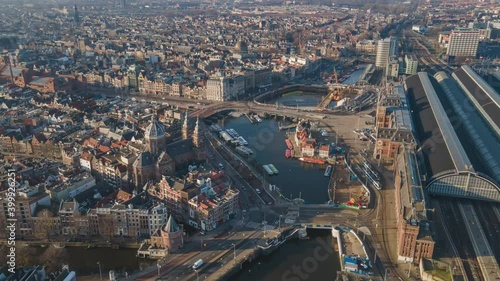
(104, 149)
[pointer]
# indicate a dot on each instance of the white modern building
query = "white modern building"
(463, 42)
(411, 64)
(218, 89)
(386, 48)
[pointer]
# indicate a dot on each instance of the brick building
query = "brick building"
(414, 239)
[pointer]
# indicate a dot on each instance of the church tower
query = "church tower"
(185, 127)
(196, 134)
(155, 137)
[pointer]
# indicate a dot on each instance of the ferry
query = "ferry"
(242, 150)
(275, 171)
(232, 133)
(289, 144)
(257, 118)
(288, 153)
(328, 170)
(312, 160)
(268, 170)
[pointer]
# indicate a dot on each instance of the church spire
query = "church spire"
(196, 133)
(185, 127)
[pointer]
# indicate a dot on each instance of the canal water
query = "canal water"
(306, 100)
(312, 259)
(295, 178)
(84, 261)
(268, 143)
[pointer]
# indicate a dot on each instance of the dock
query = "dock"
(249, 118)
(286, 127)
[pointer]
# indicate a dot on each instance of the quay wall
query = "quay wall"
(287, 89)
(255, 253)
(336, 234)
(75, 244)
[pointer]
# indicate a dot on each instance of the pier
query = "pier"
(286, 127)
(249, 118)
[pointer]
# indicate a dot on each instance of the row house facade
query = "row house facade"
(207, 213)
(35, 220)
(38, 146)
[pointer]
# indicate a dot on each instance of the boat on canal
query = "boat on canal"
(288, 153)
(328, 170)
(268, 170)
(275, 171)
(312, 160)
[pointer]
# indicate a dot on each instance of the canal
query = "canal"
(82, 260)
(295, 179)
(305, 100)
(268, 143)
(312, 259)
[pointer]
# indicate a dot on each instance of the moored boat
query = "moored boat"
(289, 144)
(275, 171)
(268, 170)
(312, 160)
(328, 170)
(288, 153)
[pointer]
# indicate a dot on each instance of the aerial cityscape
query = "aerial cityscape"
(273, 140)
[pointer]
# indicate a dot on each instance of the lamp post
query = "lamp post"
(279, 223)
(234, 252)
(159, 267)
(197, 276)
(385, 275)
(100, 272)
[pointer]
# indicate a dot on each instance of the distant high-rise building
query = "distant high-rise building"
(76, 16)
(393, 48)
(463, 42)
(386, 48)
(121, 3)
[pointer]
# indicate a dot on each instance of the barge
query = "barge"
(268, 170)
(312, 160)
(275, 171)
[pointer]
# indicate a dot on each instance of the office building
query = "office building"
(463, 43)
(411, 64)
(386, 48)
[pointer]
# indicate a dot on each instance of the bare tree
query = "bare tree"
(106, 226)
(45, 224)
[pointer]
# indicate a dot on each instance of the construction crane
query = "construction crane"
(334, 93)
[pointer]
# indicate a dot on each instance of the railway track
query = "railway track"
(490, 224)
(453, 220)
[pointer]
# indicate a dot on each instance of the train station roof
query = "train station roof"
(436, 136)
(481, 94)
(448, 168)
